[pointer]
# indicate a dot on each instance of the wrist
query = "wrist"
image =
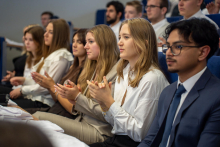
(109, 102)
(21, 91)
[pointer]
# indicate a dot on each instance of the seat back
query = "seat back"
(214, 65)
(3, 57)
(171, 77)
(215, 18)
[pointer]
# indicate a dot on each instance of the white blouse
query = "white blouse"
(56, 65)
(140, 106)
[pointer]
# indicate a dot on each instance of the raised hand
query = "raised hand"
(8, 76)
(68, 92)
(101, 92)
(17, 81)
(44, 81)
(212, 8)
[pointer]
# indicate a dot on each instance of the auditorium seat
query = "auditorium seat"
(3, 57)
(171, 77)
(214, 65)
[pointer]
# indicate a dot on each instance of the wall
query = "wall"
(16, 14)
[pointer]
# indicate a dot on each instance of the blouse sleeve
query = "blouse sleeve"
(56, 70)
(137, 124)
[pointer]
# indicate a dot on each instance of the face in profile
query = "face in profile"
(130, 12)
(111, 14)
(126, 45)
(91, 47)
(78, 47)
(188, 8)
(153, 9)
(48, 35)
(30, 44)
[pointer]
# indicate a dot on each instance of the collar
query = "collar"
(189, 83)
(116, 25)
(159, 24)
(197, 14)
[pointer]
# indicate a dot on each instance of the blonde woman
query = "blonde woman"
(102, 56)
(56, 62)
(137, 88)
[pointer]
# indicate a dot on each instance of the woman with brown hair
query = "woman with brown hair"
(33, 41)
(102, 56)
(63, 107)
(137, 89)
(56, 62)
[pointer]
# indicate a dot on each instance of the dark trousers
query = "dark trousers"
(117, 141)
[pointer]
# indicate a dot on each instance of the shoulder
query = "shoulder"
(57, 55)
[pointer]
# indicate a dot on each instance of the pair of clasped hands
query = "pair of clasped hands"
(101, 92)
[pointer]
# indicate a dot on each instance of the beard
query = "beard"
(111, 21)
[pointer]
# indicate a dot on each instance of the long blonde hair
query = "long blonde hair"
(145, 43)
(60, 39)
(108, 57)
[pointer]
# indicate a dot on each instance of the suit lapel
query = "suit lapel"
(191, 97)
(167, 101)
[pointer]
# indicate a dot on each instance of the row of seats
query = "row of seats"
(100, 17)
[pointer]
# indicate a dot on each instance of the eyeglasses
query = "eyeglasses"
(152, 6)
(175, 49)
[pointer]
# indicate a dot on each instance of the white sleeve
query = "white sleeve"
(56, 70)
(136, 125)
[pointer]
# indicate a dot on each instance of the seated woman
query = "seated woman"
(33, 41)
(102, 56)
(63, 107)
(20, 68)
(56, 62)
(137, 88)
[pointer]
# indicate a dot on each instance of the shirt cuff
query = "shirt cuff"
(113, 110)
(28, 81)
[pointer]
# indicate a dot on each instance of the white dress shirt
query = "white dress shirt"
(140, 106)
(56, 65)
(160, 27)
(199, 14)
(188, 85)
(115, 29)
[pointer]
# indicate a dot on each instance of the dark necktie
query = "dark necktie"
(172, 111)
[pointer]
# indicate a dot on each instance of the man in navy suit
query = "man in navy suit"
(189, 117)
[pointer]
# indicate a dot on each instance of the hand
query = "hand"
(8, 76)
(163, 41)
(101, 92)
(46, 82)
(17, 81)
(212, 8)
(15, 93)
(67, 92)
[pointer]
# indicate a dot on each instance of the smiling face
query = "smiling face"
(48, 35)
(126, 45)
(30, 44)
(92, 48)
(78, 47)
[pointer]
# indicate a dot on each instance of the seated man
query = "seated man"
(188, 110)
(156, 11)
(133, 9)
(191, 8)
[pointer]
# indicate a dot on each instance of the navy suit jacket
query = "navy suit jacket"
(198, 121)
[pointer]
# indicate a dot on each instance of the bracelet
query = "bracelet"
(21, 91)
(104, 111)
(57, 95)
(77, 96)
